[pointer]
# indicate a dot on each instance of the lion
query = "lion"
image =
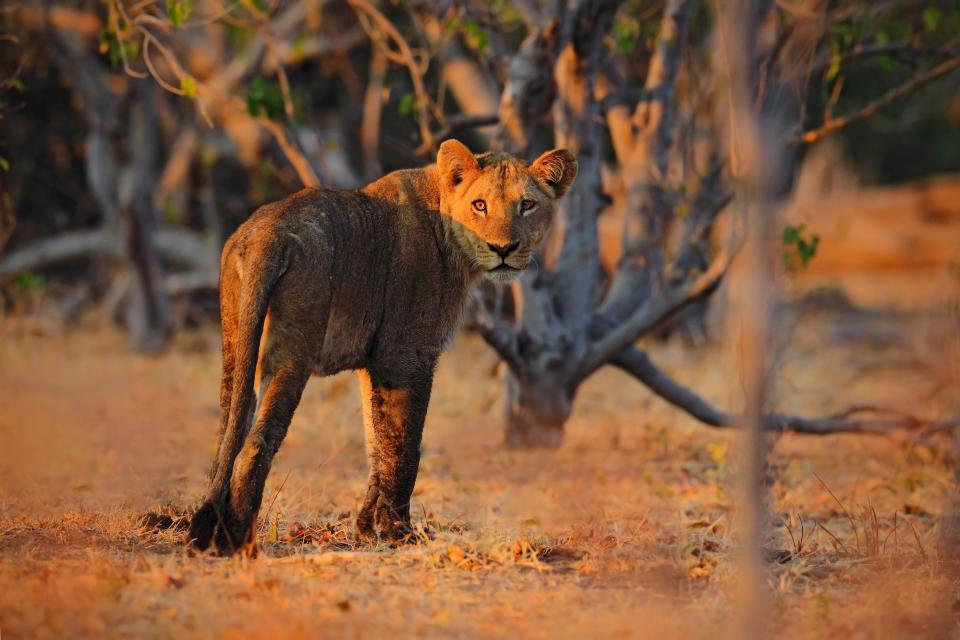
(373, 280)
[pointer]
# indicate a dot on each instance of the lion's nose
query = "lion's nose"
(503, 250)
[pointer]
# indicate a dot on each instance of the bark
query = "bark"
(372, 111)
(121, 173)
(554, 310)
(642, 145)
(529, 90)
(535, 411)
(148, 312)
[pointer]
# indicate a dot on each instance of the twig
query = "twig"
(178, 245)
(372, 112)
(454, 124)
(835, 124)
(407, 58)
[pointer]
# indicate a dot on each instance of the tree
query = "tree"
(631, 87)
(566, 326)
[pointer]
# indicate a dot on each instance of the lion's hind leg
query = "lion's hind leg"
(229, 294)
(286, 367)
(246, 299)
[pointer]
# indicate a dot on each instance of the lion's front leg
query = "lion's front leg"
(394, 407)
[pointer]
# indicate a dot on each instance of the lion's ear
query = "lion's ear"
(557, 168)
(455, 162)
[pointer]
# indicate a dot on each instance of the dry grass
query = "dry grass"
(628, 530)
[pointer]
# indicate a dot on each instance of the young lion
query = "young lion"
(373, 280)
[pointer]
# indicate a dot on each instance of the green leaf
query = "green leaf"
(791, 234)
(15, 83)
(931, 18)
(798, 250)
(265, 98)
(131, 49)
(834, 69)
(4, 164)
(28, 282)
(239, 36)
(172, 213)
(475, 37)
(110, 45)
(188, 84)
(178, 10)
(299, 46)
(626, 33)
(253, 106)
(408, 104)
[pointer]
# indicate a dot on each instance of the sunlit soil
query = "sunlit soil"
(628, 530)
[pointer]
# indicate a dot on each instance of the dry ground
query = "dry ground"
(627, 530)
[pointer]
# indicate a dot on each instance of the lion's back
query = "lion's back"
(317, 222)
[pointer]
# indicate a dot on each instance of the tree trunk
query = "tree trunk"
(555, 309)
(535, 410)
(148, 310)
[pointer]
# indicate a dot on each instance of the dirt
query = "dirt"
(629, 530)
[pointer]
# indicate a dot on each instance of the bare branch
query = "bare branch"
(610, 339)
(857, 419)
(833, 125)
(188, 248)
(712, 197)
(529, 89)
(176, 245)
(904, 50)
(457, 123)
(372, 112)
(406, 57)
(471, 84)
(642, 148)
(177, 169)
(62, 248)
(498, 335)
(287, 140)
(217, 89)
(190, 281)
(314, 47)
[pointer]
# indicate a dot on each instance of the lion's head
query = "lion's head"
(503, 207)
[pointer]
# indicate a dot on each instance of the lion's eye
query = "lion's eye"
(527, 205)
(480, 206)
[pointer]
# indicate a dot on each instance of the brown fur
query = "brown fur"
(373, 280)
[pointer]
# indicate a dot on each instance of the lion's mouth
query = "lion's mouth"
(503, 267)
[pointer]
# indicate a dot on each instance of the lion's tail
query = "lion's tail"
(262, 271)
